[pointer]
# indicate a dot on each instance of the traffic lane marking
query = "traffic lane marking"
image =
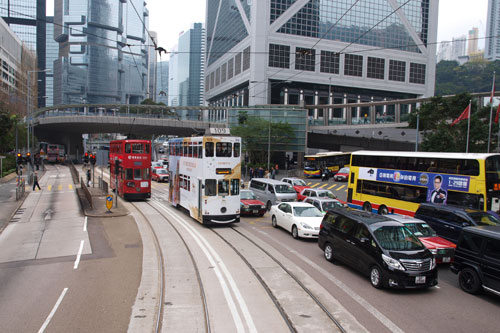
(332, 186)
(314, 185)
(79, 255)
(323, 185)
(341, 187)
(53, 312)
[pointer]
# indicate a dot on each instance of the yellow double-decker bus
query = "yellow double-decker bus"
(397, 182)
(332, 160)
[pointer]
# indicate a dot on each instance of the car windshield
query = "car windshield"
(344, 170)
(307, 212)
(157, 164)
(161, 171)
(483, 218)
(299, 182)
(284, 189)
(331, 204)
(247, 195)
(327, 194)
(421, 229)
(396, 238)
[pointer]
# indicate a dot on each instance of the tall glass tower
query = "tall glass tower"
(27, 19)
(103, 52)
(492, 49)
(162, 82)
(319, 52)
(52, 53)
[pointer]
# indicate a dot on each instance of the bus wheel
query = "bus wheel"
(367, 207)
(383, 210)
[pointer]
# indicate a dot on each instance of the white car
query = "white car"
(300, 218)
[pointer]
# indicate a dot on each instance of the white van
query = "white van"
(271, 191)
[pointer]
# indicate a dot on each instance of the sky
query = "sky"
(169, 18)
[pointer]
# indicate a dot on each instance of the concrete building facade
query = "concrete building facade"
(312, 52)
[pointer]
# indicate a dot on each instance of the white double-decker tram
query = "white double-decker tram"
(205, 174)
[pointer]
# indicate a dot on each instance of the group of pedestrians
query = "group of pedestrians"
(261, 173)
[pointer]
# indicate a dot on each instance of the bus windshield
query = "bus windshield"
(396, 238)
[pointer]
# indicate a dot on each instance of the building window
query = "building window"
(212, 80)
(230, 65)
(397, 70)
(217, 76)
(207, 83)
(304, 59)
(279, 56)
(353, 65)
(237, 64)
(223, 73)
(417, 73)
(375, 68)
(330, 62)
(246, 58)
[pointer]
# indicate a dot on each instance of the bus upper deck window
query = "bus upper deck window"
(127, 148)
(209, 149)
(236, 150)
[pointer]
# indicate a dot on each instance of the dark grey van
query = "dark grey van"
(449, 220)
(477, 259)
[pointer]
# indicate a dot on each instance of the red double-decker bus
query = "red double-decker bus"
(130, 163)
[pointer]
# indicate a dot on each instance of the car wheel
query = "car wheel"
(376, 277)
(274, 222)
(268, 205)
(367, 207)
(328, 253)
(295, 232)
(469, 281)
(383, 210)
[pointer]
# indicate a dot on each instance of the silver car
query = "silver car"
(271, 191)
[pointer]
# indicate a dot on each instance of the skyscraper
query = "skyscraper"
(472, 42)
(52, 53)
(27, 19)
(458, 47)
(152, 81)
(492, 48)
(444, 52)
(162, 78)
(284, 52)
(103, 52)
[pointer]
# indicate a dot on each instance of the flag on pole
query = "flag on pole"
(464, 115)
(498, 113)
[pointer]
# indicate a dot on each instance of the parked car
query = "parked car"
(442, 249)
(272, 191)
(477, 259)
(160, 175)
(381, 248)
(315, 193)
(449, 220)
(299, 218)
(249, 205)
(298, 184)
(342, 175)
(324, 204)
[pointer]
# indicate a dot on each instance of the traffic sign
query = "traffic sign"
(109, 202)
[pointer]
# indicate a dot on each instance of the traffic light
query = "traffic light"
(19, 158)
(86, 158)
(28, 157)
(117, 167)
(92, 158)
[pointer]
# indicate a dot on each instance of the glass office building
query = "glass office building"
(52, 52)
(319, 52)
(103, 51)
(26, 18)
(162, 82)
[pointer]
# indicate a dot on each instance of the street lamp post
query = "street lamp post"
(269, 141)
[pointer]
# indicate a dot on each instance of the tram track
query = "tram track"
(287, 318)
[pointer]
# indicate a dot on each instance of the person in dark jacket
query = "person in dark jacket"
(35, 181)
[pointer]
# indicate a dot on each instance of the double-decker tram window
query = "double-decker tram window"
(137, 174)
(205, 177)
(129, 174)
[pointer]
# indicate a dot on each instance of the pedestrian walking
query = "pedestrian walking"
(273, 173)
(35, 181)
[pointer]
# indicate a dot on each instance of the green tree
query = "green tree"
(254, 133)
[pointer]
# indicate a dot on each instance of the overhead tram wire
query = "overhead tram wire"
(341, 51)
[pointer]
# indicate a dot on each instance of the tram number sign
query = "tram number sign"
(109, 202)
(220, 131)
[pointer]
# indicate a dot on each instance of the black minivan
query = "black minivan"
(449, 220)
(383, 249)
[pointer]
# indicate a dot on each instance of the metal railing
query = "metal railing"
(86, 192)
(74, 173)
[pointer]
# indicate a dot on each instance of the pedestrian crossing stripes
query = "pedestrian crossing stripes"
(59, 187)
(332, 186)
(323, 185)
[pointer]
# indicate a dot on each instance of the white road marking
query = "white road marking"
(52, 313)
(216, 262)
(77, 261)
(367, 306)
(85, 224)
